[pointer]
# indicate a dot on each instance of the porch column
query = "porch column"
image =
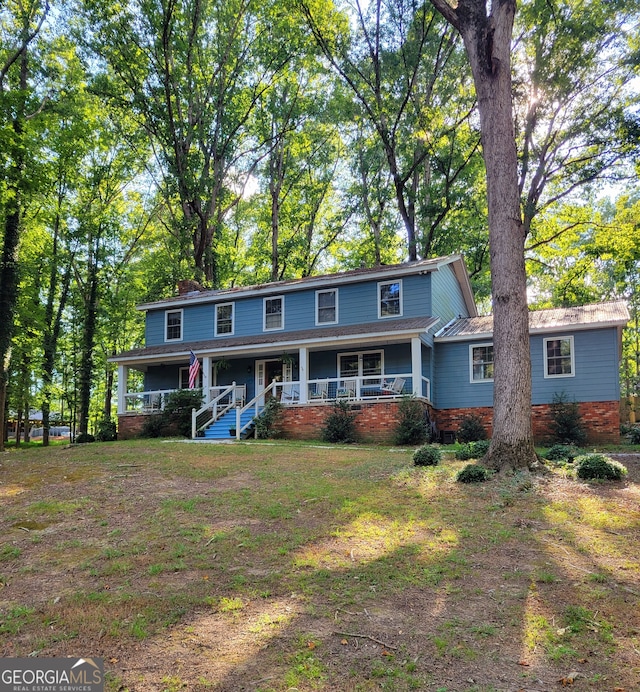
(416, 365)
(303, 361)
(123, 377)
(206, 377)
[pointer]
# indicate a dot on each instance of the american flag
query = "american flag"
(194, 369)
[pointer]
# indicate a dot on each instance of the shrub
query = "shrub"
(562, 453)
(268, 422)
(106, 431)
(84, 438)
(175, 419)
(599, 466)
(471, 429)
(412, 424)
(154, 426)
(339, 425)
(473, 473)
(473, 450)
(566, 424)
(427, 455)
(634, 435)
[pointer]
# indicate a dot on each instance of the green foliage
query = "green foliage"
(84, 438)
(412, 425)
(634, 435)
(471, 429)
(427, 455)
(473, 450)
(175, 419)
(267, 423)
(473, 473)
(562, 453)
(599, 466)
(339, 425)
(106, 431)
(566, 424)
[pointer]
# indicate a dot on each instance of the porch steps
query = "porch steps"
(220, 429)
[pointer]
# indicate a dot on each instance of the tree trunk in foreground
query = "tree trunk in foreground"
(487, 39)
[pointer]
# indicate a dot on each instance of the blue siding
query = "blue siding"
(357, 303)
(448, 301)
(596, 372)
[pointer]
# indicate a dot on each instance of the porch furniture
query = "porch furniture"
(395, 387)
(347, 389)
(321, 391)
(290, 394)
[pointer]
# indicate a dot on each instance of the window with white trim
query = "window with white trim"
(481, 362)
(224, 319)
(173, 325)
(362, 364)
(559, 357)
(390, 299)
(327, 306)
(183, 382)
(273, 313)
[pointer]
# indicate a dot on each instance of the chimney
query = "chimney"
(187, 286)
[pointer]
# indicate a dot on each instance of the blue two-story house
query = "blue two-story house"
(367, 336)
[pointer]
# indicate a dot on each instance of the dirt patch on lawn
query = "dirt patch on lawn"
(363, 576)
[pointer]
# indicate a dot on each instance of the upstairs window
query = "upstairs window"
(273, 313)
(173, 325)
(390, 299)
(481, 362)
(327, 307)
(558, 357)
(224, 319)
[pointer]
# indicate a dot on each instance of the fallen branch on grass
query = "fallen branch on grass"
(365, 636)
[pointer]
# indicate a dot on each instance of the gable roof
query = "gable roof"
(598, 315)
(382, 272)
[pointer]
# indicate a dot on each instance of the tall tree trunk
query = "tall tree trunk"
(88, 337)
(487, 39)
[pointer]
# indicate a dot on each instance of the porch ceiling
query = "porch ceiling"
(319, 337)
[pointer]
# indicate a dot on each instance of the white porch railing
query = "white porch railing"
(147, 402)
(356, 388)
(224, 399)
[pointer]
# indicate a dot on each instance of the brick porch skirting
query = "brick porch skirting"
(601, 420)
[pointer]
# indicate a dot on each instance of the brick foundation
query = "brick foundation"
(130, 425)
(377, 421)
(601, 420)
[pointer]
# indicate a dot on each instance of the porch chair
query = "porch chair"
(290, 394)
(395, 387)
(321, 391)
(348, 389)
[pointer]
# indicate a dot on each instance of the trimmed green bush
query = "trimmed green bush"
(562, 453)
(566, 424)
(634, 435)
(412, 424)
(473, 473)
(591, 466)
(106, 431)
(427, 455)
(471, 429)
(473, 450)
(84, 438)
(268, 422)
(339, 425)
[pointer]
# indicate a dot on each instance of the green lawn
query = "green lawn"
(290, 566)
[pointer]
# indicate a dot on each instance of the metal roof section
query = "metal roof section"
(597, 315)
(389, 330)
(352, 276)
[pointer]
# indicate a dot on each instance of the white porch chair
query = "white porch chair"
(394, 387)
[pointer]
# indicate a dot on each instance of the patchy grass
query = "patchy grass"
(274, 566)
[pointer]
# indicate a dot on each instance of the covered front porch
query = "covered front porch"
(357, 368)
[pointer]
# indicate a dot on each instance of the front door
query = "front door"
(269, 370)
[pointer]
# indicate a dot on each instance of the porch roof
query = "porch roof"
(339, 334)
(597, 315)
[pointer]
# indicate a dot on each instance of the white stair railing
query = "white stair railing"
(213, 409)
